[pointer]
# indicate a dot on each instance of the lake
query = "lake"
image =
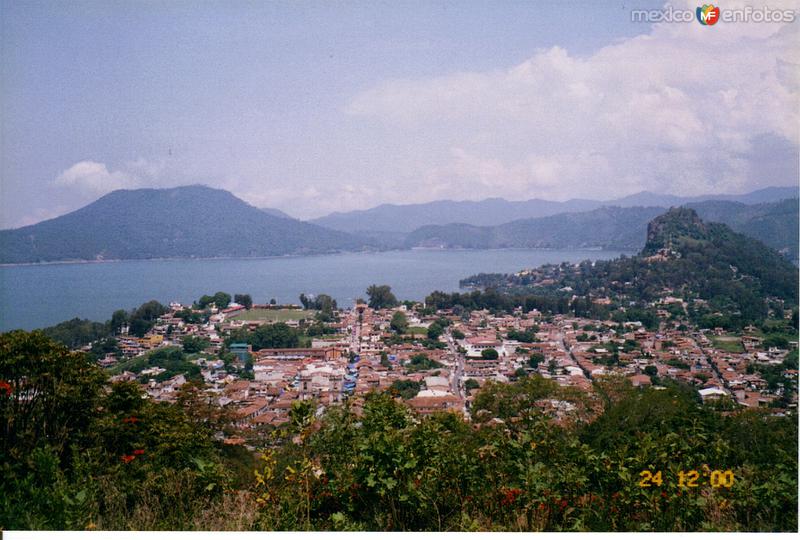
(42, 295)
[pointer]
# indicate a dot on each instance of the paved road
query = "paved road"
(458, 372)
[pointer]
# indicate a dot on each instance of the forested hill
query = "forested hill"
(191, 221)
(734, 274)
(700, 253)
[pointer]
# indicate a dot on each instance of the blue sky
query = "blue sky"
(314, 107)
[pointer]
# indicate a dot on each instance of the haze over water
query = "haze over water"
(38, 296)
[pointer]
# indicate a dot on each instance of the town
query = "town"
(255, 361)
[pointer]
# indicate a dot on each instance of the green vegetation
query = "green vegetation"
(273, 315)
(421, 362)
(535, 359)
(731, 344)
(471, 384)
(320, 302)
(192, 344)
(525, 336)
(399, 322)
(730, 274)
(405, 388)
(220, 300)
(77, 332)
(381, 297)
(82, 458)
(268, 336)
(243, 300)
(172, 359)
(489, 354)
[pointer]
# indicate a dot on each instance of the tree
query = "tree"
(205, 301)
(421, 362)
(434, 331)
(244, 300)
(489, 354)
(194, 344)
(144, 317)
(325, 303)
(77, 332)
(405, 388)
(380, 297)
(221, 299)
(399, 322)
(651, 371)
(49, 395)
(274, 336)
(471, 384)
(535, 359)
(118, 319)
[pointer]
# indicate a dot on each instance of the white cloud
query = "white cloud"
(95, 177)
(675, 110)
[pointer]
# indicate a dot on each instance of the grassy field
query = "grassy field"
(417, 330)
(731, 344)
(274, 315)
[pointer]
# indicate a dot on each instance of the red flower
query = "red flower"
(510, 495)
(130, 420)
(138, 452)
(127, 459)
(563, 504)
(664, 494)
(5, 387)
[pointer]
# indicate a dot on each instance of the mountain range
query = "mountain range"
(198, 221)
(775, 224)
(489, 212)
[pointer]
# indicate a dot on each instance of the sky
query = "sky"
(316, 107)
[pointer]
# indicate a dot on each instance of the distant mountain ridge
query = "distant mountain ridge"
(277, 213)
(496, 211)
(202, 222)
(774, 224)
(606, 227)
(190, 221)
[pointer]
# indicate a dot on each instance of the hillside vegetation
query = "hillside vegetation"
(87, 454)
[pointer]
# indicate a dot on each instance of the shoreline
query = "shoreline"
(299, 255)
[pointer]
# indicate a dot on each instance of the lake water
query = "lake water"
(38, 296)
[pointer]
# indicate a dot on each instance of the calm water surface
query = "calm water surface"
(37, 296)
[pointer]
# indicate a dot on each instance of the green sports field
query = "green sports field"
(274, 315)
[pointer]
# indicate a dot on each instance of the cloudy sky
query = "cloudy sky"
(314, 107)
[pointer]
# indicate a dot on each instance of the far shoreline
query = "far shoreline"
(619, 250)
